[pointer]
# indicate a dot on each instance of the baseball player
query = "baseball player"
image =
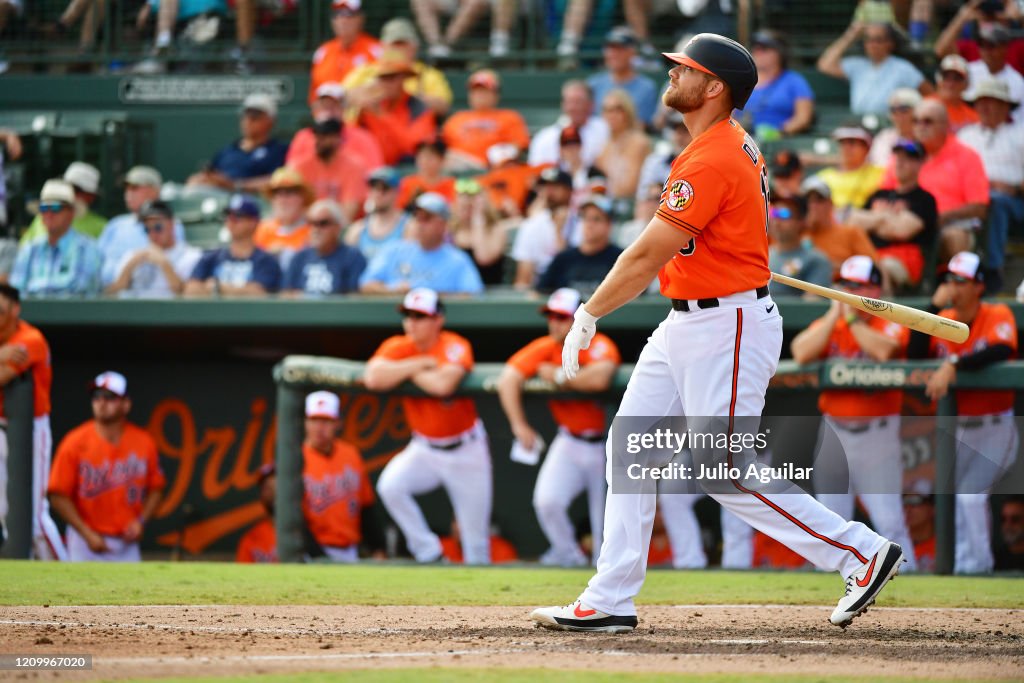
(106, 481)
(712, 357)
(334, 480)
(24, 349)
(259, 543)
(859, 440)
(575, 461)
(986, 436)
(449, 444)
(686, 540)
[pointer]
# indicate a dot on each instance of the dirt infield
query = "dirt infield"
(134, 642)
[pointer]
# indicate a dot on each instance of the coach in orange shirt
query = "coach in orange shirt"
(334, 480)
(106, 480)
(350, 47)
(575, 462)
(449, 445)
(259, 543)
(469, 134)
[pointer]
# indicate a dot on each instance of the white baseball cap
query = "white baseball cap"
(111, 381)
(502, 152)
(422, 300)
(323, 404)
(85, 177)
(260, 102)
(334, 90)
(953, 63)
(57, 190)
(563, 301)
(144, 176)
(966, 264)
(860, 269)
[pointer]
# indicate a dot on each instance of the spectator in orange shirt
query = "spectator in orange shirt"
(469, 134)
(285, 232)
(259, 543)
(349, 48)
(334, 481)
(501, 550)
(838, 242)
(509, 181)
(952, 80)
(333, 175)
(356, 143)
(429, 175)
(396, 119)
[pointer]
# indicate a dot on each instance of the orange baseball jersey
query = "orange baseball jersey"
(270, 238)
(861, 402)
(38, 361)
(994, 324)
(717, 192)
(579, 416)
(336, 491)
(501, 550)
(106, 482)
(473, 132)
(333, 61)
(259, 544)
(435, 418)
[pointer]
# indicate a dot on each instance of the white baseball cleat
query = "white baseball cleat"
(866, 583)
(577, 617)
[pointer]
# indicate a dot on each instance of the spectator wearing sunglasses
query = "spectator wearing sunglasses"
(327, 266)
(951, 80)
(989, 60)
(161, 268)
(85, 181)
(791, 253)
(62, 261)
(901, 112)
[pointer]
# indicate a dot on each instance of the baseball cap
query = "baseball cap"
(570, 135)
(432, 202)
(994, 33)
(622, 36)
(111, 381)
(347, 7)
(966, 265)
(768, 39)
(484, 78)
(333, 90)
(953, 63)
(785, 163)
(384, 174)
(602, 202)
(994, 89)
(259, 101)
(57, 190)
(552, 175)
(323, 404)
(287, 177)
(327, 127)
(243, 205)
(860, 270)
(85, 177)
(399, 30)
(422, 300)
(144, 176)
(156, 208)
(904, 97)
(393, 61)
(852, 132)
(563, 301)
(502, 152)
(912, 148)
(816, 185)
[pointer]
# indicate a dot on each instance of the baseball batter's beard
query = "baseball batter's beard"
(684, 101)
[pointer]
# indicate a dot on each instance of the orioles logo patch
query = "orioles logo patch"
(1004, 331)
(680, 195)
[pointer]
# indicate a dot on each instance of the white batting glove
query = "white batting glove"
(583, 329)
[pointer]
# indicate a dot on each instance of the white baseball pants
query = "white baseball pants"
(570, 467)
(119, 549)
(465, 474)
(715, 362)
(684, 534)
(871, 462)
(46, 541)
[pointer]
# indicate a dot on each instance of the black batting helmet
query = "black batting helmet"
(723, 58)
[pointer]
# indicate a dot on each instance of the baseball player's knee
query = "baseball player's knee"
(388, 488)
(546, 505)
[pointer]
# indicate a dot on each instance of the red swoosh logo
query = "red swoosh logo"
(581, 613)
(867, 577)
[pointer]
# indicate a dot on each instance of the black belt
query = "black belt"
(974, 423)
(684, 304)
(591, 438)
(857, 428)
(446, 447)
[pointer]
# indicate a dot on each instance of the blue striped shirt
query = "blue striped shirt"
(72, 266)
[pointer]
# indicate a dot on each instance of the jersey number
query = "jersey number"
(750, 147)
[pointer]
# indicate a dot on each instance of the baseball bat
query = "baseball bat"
(915, 319)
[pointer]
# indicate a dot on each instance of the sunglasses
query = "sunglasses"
(155, 227)
(781, 212)
(415, 315)
(558, 317)
(613, 108)
(900, 109)
(323, 223)
(379, 185)
(923, 121)
(956, 279)
(953, 76)
(55, 207)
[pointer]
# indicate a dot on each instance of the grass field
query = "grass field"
(195, 583)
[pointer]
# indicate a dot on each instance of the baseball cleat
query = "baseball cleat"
(577, 617)
(866, 583)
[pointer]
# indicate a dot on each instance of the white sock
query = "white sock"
(163, 39)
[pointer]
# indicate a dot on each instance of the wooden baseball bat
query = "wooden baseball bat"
(922, 321)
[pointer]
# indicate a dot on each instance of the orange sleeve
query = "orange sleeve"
(244, 552)
(602, 348)
(366, 496)
(692, 198)
(527, 360)
(862, 244)
(395, 348)
(1002, 328)
(64, 473)
(457, 351)
(517, 132)
(155, 479)
(898, 333)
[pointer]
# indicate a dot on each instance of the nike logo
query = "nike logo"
(581, 613)
(867, 577)
(769, 309)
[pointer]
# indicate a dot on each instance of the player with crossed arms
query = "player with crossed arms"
(717, 349)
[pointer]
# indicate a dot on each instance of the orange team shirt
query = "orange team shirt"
(333, 61)
(501, 550)
(38, 361)
(259, 544)
(960, 113)
(861, 402)
(994, 324)
(399, 127)
(513, 182)
(343, 179)
(435, 418)
(473, 132)
(770, 553)
(579, 416)
(269, 236)
(336, 491)
(356, 144)
(106, 482)
(717, 193)
(840, 242)
(412, 186)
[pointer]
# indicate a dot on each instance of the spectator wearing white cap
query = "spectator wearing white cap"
(951, 82)
(584, 267)
(247, 163)
(1000, 144)
(161, 268)
(855, 178)
(901, 113)
(327, 266)
(85, 181)
(426, 261)
(989, 60)
(425, 82)
(126, 233)
(61, 261)
(355, 142)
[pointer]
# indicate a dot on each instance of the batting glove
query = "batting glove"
(583, 329)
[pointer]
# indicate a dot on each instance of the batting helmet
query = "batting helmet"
(722, 58)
